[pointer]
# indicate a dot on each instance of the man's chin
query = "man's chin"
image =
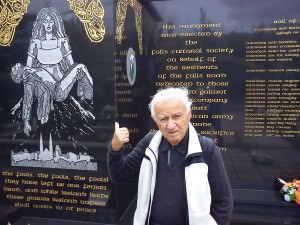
(173, 141)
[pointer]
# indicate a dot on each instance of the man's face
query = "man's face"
(172, 120)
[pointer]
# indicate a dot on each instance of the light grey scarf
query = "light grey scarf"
(197, 185)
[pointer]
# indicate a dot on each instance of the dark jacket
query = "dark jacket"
(123, 168)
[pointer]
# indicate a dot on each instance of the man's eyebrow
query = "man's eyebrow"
(178, 113)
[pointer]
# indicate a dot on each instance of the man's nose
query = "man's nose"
(171, 124)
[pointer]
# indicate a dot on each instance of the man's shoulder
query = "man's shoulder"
(149, 136)
(144, 141)
(207, 144)
(208, 147)
(205, 139)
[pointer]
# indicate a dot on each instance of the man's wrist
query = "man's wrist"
(115, 146)
(114, 152)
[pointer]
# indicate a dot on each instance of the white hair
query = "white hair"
(164, 95)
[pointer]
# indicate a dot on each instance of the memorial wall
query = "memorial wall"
(240, 63)
(71, 68)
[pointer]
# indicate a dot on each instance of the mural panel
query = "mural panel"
(57, 108)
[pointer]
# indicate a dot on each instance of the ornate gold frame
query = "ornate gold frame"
(121, 16)
(91, 15)
(11, 13)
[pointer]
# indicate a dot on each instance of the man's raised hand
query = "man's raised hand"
(121, 136)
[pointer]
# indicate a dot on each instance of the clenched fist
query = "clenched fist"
(121, 136)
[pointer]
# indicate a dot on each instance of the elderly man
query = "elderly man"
(182, 178)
